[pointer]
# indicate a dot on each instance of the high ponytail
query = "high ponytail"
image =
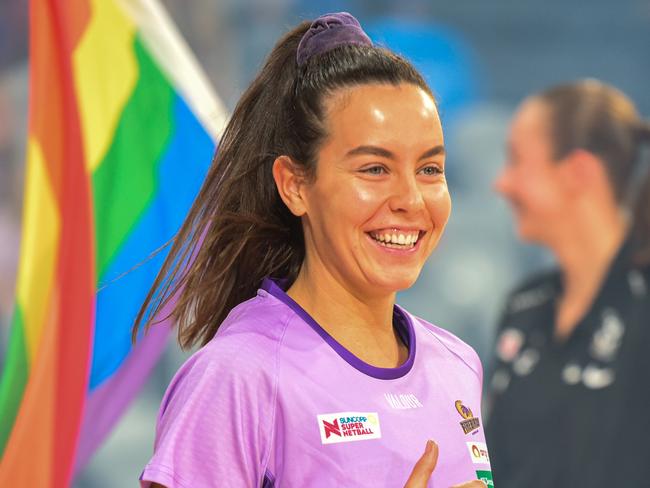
(238, 230)
(598, 118)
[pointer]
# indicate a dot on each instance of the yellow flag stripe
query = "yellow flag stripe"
(105, 71)
(39, 247)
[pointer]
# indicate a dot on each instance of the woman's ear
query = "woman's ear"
(584, 172)
(289, 179)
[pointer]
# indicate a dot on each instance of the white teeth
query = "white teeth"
(396, 240)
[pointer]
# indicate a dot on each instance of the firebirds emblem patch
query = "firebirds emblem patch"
(470, 423)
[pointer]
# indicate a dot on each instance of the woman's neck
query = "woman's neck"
(585, 256)
(361, 322)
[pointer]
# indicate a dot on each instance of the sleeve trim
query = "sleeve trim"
(158, 473)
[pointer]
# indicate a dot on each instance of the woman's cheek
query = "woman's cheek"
(368, 194)
(439, 204)
(362, 202)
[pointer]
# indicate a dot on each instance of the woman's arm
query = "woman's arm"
(207, 433)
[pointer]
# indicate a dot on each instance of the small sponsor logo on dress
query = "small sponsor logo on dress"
(486, 477)
(509, 344)
(402, 401)
(592, 376)
(471, 423)
(526, 362)
(637, 282)
(531, 298)
(596, 378)
(478, 452)
(607, 340)
(500, 380)
(348, 427)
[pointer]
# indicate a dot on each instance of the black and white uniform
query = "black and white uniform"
(573, 413)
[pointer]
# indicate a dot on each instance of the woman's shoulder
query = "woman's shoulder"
(243, 349)
(216, 398)
(532, 291)
(452, 343)
(258, 321)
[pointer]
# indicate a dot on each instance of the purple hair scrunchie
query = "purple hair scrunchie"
(329, 31)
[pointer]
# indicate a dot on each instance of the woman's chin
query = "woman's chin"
(528, 234)
(394, 282)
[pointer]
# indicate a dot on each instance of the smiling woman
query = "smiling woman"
(379, 201)
(325, 199)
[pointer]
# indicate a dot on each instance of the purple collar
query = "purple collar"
(400, 318)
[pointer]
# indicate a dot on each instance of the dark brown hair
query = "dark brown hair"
(238, 230)
(598, 118)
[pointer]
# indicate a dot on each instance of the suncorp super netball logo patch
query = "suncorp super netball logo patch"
(348, 427)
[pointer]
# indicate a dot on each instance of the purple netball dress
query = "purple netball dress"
(274, 401)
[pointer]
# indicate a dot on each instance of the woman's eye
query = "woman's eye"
(432, 170)
(374, 170)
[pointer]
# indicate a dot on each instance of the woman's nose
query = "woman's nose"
(501, 184)
(407, 195)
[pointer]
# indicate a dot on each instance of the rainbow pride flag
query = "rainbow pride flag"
(122, 128)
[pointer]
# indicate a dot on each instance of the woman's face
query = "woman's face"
(379, 202)
(531, 180)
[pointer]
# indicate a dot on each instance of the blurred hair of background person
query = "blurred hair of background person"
(570, 388)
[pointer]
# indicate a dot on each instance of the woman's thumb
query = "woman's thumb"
(424, 467)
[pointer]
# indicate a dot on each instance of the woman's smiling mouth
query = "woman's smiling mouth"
(395, 238)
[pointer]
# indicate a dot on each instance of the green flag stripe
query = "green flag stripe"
(125, 181)
(14, 377)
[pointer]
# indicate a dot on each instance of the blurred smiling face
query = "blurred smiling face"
(531, 180)
(379, 202)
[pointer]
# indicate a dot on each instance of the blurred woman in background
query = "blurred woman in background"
(570, 389)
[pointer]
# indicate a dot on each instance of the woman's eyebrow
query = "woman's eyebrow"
(371, 150)
(434, 151)
(385, 153)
